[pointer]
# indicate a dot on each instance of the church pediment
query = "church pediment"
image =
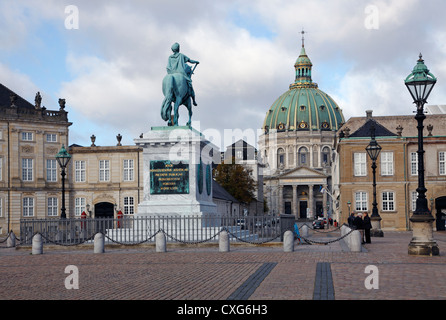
(302, 172)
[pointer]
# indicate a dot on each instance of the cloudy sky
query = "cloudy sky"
(108, 58)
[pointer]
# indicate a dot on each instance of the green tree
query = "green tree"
(237, 180)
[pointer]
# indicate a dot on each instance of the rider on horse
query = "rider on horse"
(178, 64)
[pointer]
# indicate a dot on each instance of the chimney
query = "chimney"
(369, 114)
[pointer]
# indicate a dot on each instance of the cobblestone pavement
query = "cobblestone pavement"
(202, 273)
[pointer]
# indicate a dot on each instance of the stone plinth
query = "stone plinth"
(177, 165)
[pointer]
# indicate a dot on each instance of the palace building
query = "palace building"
(296, 147)
(397, 168)
(30, 137)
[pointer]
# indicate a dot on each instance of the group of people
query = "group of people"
(361, 222)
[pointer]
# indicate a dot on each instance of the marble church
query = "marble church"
(299, 133)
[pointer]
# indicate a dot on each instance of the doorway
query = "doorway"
(303, 205)
(104, 210)
(440, 205)
(287, 207)
(319, 209)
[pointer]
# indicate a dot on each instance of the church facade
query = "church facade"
(297, 147)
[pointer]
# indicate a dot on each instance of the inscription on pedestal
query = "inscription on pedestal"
(167, 177)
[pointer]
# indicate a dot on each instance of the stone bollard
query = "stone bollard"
(355, 241)
(10, 243)
(223, 242)
(37, 244)
(343, 230)
(99, 243)
(288, 241)
(304, 231)
(160, 242)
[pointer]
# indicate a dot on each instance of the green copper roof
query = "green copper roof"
(304, 106)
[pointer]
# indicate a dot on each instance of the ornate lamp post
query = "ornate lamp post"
(63, 157)
(373, 150)
(420, 84)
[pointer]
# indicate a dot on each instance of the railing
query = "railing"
(131, 230)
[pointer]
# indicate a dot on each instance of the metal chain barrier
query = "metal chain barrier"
(6, 239)
(134, 243)
(59, 243)
(328, 242)
(173, 238)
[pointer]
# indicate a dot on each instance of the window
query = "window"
(360, 164)
(79, 171)
(387, 163)
(52, 207)
(326, 156)
(388, 201)
(27, 136)
(414, 163)
(128, 170)
(51, 170)
(361, 201)
(79, 206)
(27, 169)
(104, 170)
(51, 137)
(28, 207)
(302, 156)
(129, 205)
(442, 163)
(414, 200)
(280, 157)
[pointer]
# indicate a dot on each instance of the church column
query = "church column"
(311, 201)
(324, 201)
(310, 162)
(281, 205)
(294, 209)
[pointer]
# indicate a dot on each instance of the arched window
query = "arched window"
(325, 156)
(303, 156)
(280, 157)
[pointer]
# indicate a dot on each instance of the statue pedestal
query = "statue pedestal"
(177, 166)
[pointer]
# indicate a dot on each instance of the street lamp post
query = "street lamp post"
(373, 150)
(63, 157)
(420, 84)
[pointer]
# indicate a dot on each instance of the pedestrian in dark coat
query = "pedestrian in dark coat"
(367, 227)
(350, 220)
(358, 223)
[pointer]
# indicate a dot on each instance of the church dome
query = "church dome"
(304, 106)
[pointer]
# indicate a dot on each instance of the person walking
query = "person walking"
(350, 219)
(367, 227)
(358, 223)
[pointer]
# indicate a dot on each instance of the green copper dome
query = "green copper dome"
(304, 106)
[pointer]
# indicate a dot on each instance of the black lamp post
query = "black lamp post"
(373, 150)
(63, 157)
(420, 84)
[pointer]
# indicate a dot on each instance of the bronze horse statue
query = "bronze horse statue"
(177, 86)
(176, 90)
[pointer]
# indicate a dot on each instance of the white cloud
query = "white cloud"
(20, 83)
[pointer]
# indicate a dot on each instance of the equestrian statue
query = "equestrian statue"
(177, 87)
